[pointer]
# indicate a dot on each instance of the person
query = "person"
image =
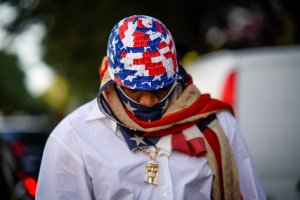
(149, 133)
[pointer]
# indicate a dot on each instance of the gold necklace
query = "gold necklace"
(151, 166)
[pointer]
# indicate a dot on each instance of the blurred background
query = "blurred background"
(50, 52)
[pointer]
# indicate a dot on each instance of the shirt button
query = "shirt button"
(165, 194)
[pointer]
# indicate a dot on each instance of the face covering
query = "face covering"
(143, 112)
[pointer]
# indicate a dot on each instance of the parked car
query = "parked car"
(262, 84)
(22, 141)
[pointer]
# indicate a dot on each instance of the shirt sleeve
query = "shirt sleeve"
(62, 174)
(249, 182)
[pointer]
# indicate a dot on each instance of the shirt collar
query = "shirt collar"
(94, 113)
(165, 144)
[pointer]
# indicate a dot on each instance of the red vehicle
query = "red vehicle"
(20, 156)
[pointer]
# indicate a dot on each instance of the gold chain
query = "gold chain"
(149, 153)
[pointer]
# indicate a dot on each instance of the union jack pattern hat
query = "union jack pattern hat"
(141, 54)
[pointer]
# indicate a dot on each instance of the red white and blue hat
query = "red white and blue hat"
(141, 54)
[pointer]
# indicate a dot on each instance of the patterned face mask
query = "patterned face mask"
(143, 112)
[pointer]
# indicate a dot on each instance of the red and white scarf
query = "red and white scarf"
(188, 109)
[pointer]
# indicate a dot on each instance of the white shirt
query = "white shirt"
(86, 158)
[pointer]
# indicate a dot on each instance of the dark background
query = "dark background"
(77, 33)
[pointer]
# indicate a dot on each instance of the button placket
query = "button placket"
(165, 177)
(165, 194)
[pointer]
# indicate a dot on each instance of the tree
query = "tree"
(14, 96)
(78, 30)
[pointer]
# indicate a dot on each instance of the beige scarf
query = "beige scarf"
(189, 108)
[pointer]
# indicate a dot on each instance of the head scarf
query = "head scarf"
(141, 54)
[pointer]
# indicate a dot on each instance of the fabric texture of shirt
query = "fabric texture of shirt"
(86, 157)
